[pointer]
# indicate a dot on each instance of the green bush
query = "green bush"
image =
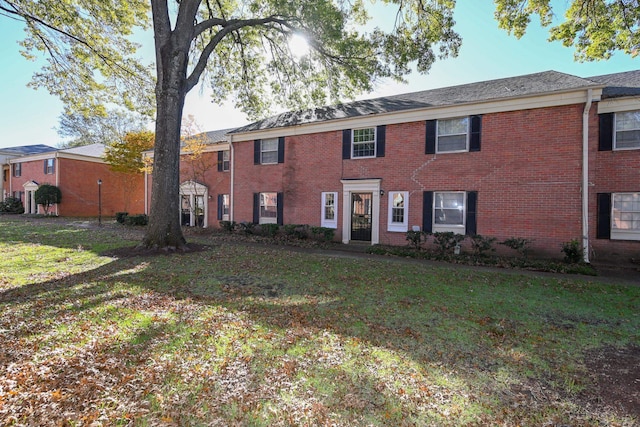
(519, 244)
(228, 226)
(247, 227)
(11, 205)
(137, 220)
(415, 238)
(121, 217)
(269, 230)
(573, 253)
(323, 233)
(299, 231)
(47, 195)
(447, 240)
(482, 244)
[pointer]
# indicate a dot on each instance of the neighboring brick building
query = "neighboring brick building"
(76, 171)
(502, 158)
(205, 182)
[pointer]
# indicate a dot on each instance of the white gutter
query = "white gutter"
(232, 171)
(146, 192)
(56, 165)
(585, 176)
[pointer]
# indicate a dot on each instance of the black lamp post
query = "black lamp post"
(100, 202)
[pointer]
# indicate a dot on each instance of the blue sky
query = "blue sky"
(29, 117)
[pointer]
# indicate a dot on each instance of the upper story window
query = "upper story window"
(226, 163)
(398, 211)
(268, 151)
(627, 130)
(49, 166)
(453, 135)
(364, 142)
(17, 169)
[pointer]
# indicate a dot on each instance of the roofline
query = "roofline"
(495, 105)
(57, 155)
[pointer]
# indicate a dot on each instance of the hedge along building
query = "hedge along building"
(549, 157)
(76, 172)
(204, 180)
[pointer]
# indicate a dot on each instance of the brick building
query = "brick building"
(76, 171)
(549, 157)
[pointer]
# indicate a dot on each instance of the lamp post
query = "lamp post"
(100, 202)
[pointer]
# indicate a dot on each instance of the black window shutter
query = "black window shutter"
(280, 208)
(427, 211)
(281, 149)
(430, 140)
(476, 130)
(472, 202)
(220, 160)
(256, 152)
(219, 207)
(606, 132)
(381, 136)
(346, 144)
(603, 224)
(45, 166)
(256, 208)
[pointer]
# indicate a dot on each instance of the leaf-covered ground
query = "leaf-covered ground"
(258, 335)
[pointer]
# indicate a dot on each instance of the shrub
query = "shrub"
(247, 227)
(299, 231)
(323, 233)
(573, 253)
(447, 241)
(415, 238)
(121, 217)
(482, 244)
(269, 230)
(47, 195)
(137, 220)
(518, 243)
(11, 205)
(228, 226)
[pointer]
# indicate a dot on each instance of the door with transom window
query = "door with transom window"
(361, 204)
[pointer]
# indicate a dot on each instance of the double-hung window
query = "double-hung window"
(453, 135)
(48, 166)
(627, 130)
(364, 142)
(224, 163)
(449, 211)
(329, 213)
(268, 208)
(625, 216)
(17, 169)
(223, 207)
(398, 211)
(269, 151)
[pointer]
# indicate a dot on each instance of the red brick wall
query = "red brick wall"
(527, 175)
(204, 171)
(78, 185)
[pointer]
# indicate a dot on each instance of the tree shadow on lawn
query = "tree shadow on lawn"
(439, 360)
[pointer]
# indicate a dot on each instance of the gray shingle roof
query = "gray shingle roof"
(26, 150)
(511, 87)
(92, 150)
(214, 136)
(619, 84)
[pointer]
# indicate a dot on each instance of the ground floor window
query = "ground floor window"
(223, 207)
(329, 212)
(449, 211)
(625, 216)
(268, 208)
(398, 211)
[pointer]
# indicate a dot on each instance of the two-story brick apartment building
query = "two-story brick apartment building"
(549, 157)
(76, 171)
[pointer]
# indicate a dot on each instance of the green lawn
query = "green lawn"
(261, 336)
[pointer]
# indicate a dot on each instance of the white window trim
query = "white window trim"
(324, 222)
(269, 151)
(615, 132)
(443, 228)
(228, 159)
(193, 189)
(225, 217)
(616, 233)
(267, 219)
(50, 171)
(468, 133)
(398, 226)
(361, 186)
(375, 143)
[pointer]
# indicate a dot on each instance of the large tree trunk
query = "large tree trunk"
(164, 229)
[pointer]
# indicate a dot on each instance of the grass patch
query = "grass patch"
(257, 335)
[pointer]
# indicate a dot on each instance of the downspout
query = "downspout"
(146, 189)
(232, 167)
(585, 176)
(56, 166)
